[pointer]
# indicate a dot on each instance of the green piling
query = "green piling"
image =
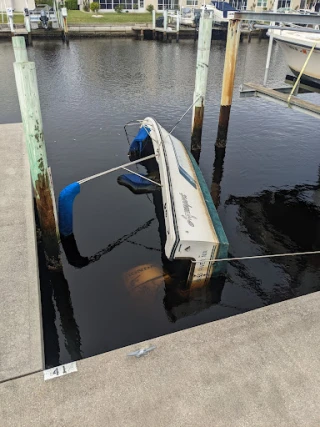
(28, 94)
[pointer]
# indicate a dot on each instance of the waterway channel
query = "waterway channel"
(267, 189)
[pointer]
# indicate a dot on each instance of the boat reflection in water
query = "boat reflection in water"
(144, 282)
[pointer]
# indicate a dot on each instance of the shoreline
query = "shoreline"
(138, 31)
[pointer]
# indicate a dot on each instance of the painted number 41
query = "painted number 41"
(59, 371)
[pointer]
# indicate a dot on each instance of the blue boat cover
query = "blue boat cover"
(65, 208)
(135, 179)
(136, 144)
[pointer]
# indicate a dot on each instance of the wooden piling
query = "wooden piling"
(217, 175)
(165, 26)
(177, 26)
(233, 38)
(10, 19)
(64, 14)
(203, 55)
(266, 73)
(154, 24)
(65, 30)
(165, 20)
(28, 27)
(27, 88)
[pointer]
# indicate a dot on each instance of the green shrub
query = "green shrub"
(71, 4)
(48, 2)
(119, 8)
(94, 6)
(150, 8)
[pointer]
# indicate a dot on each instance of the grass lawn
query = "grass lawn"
(111, 18)
(18, 18)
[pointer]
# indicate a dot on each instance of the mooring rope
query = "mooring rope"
(184, 114)
(258, 257)
(301, 72)
(142, 176)
(82, 181)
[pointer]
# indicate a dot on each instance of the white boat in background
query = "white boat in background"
(220, 11)
(296, 46)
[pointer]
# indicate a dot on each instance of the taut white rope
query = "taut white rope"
(259, 257)
(82, 181)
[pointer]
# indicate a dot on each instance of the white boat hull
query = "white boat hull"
(189, 229)
(296, 47)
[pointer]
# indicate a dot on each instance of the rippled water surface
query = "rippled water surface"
(267, 188)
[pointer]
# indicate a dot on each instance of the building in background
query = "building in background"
(17, 5)
(159, 5)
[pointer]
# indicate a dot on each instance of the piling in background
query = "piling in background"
(64, 13)
(10, 19)
(229, 70)
(27, 87)
(177, 26)
(153, 24)
(275, 8)
(28, 25)
(165, 25)
(203, 55)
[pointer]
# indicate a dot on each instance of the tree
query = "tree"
(86, 6)
(119, 8)
(150, 8)
(94, 6)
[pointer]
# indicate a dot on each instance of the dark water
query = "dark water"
(266, 187)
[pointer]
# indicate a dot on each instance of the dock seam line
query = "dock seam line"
(21, 376)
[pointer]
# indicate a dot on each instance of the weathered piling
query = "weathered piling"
(203, 55)
(10, 18)
(217, 175)
(27, 88)
(275, 8)
(165, 25)
(177, 26)
(64, 13)
(230, 61)
(27, 25)
(154, 24)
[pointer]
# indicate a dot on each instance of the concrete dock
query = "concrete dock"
(255, 369)
(20, 314)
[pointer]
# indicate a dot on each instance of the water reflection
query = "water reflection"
(88, 91)
(283, 221)
(74, 257)
(57, 306)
